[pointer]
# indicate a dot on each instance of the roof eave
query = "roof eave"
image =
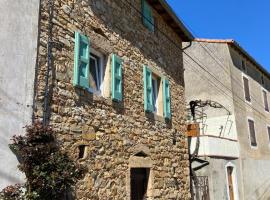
(243, 51)
(240, 49)
(174, 21)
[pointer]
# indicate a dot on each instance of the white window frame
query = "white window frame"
(101, 75)
(235, 183)
(252, 119)
(243, 75)
(264, 90)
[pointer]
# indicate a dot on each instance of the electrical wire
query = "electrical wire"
(220, 63)
(194, 60)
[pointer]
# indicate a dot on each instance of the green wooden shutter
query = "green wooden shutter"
(166, 99)
(148, 19)
(116, 78)
(81, 61)
(148, 90)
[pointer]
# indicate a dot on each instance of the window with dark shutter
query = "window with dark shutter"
(268, 130)
(262, 79)
(246, 88)
(252, 133)
(266, 107)
(243, 65)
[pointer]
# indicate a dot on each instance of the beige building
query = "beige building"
(234, 139)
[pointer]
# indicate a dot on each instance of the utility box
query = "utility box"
(193, 130)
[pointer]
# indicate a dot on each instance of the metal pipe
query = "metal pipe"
(49, 62)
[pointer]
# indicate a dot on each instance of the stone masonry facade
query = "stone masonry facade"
(117, 135)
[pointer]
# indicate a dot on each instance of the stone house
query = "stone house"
(234, 139)
(109, 80)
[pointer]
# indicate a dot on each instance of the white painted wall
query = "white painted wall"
(18, 42)
(211, 146)
(218, 141)
(222, 126)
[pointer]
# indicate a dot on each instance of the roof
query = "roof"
(240, 49)
(163, 8)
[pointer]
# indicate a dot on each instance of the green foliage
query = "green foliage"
(49, 171)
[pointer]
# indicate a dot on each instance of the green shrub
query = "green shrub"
(49, 172)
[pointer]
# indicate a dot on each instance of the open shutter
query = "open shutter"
(148, 19)
(81, 61)
(116, 78)
(166, 99)
(148, 90)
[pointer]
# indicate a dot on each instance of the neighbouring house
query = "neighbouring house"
(108, 77)
(231, 91)
(18, 52)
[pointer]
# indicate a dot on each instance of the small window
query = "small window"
(266, 107)
(262, 79)
(246, 89)
(148, 18)
(96, 72)
(156, 94)
(82, 150)
(243, 64)
(268, 131)
(156, 86)
(252, 133)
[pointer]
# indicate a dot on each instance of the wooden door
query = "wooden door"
(230, 182)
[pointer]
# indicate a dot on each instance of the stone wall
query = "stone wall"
(115, 133)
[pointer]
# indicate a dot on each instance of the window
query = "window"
(93, 71)
(148, 19)
(265, 100)
(268, 131)
(252, 133)
(246, 89)
(156, 94)
(82, 150)
(96, 72)
(243, 64)
(262, 79)
(155, 84)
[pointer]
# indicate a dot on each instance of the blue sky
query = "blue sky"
(246, 21)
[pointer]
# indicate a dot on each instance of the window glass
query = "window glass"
(155, 93)
(95, 71)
